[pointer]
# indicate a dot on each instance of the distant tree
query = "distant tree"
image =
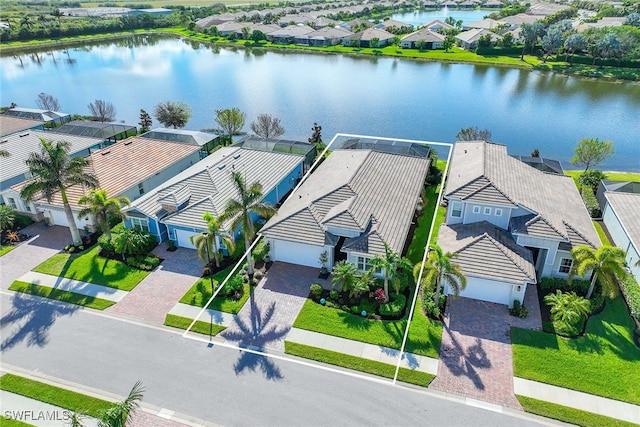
(103, 111)
(174, 114)
(145, 121)
(591, 179)
(54, 171)
(633, 19)
(485, 41)
(606, 264)
(246, 33)
(574, 43)
(374, 42)
(231, 121)
(531, 33)
(473, 134)
(102, 207)
(507, 40)
(552, 41)
(420, 44)
(257, 36)
(48, 102)
(535, 153)
(449, 42)
(609, 46)
(591, 152)
(57, 13)
(266, 126)
(316, 136)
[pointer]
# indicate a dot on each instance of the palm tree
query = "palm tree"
(239, 212)
(567, 308)
(53, 171)
(206, 242)
(129, 242)
(4, 153)
(120, 414)
(440, 268)
(101, 206)
(345, 276)
(7, 218)
(607, 264)
(389, 263)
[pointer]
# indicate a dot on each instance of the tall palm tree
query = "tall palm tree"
(239, 212)
(120, 414)
(438, 269)
(389, 264)
(53, 171)
(101, 206)
(345, 276)
(206, 242)
(7, 219)
(607, 264)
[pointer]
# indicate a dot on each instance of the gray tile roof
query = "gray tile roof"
(366, 191)
(207, 185)
(627, 208)
(486, 251)
(424, 34)
(484, 172)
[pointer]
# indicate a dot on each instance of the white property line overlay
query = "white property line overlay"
(424, 257)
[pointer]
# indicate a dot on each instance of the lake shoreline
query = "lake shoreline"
(33, 46)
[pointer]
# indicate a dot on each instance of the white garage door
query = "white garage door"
(296, 253)
(488, 290)
(57, 217)
(182, 237)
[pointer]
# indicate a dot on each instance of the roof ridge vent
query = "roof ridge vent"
(128, 142)
(22, 135)
(105, 152)
(221, 167)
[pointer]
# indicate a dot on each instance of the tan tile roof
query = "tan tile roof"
(10, 124)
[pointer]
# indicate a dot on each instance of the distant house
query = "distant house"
(47, 116)
(516, 21)
(174, 209)
(108, 132)
(12, 124)
(621, 216)
(391, 24)
(468, 40)
(230, 27)
(327, 36)
(436, 25)
(350, 207)
(429, 40)
(155, 12)
(543, 164)
(288, 34)
(486, 24)
(131, 168)
(355, 23)
(364, 38)
(306, 149)
(509, 223)
(205, 140)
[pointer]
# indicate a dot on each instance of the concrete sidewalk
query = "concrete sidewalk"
(75, 286)
(37, 413)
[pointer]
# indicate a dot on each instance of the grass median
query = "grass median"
(200, 327)
(60, 295)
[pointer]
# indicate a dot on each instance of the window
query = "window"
(12, 203)
(565, 265)
(498, 212)
(456, 210)
(487, 211)
(476, 209)
(141, 189)
(140, 224)
(363, 263)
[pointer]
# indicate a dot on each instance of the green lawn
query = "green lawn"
(199, 327)
(89, 267)
(569, 415)
(380, 369)
(612, 175)
(6, 249)
(54, 395)
(425, 339)
(604, 361)
(60, 295)
(603, 237)
(200, 293)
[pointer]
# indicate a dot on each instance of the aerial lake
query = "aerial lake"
(359, 95)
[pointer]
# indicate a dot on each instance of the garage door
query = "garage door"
(488, 290)
(57, 217)
(183, 236)
(296, 253)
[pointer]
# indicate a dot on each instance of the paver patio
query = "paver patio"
(475, 355)
(159, 292)
(268, 315)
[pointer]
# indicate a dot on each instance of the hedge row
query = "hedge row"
(631, 290)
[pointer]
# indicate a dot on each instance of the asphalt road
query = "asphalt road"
(217, 384)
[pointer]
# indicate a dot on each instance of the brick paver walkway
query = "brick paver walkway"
(475, 355)
(47, 241)
(156, 295)
(267, 317)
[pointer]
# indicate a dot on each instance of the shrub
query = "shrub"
(518, 310)
(591, 179)
(21, 221)
(234, 285)
(71, 249)
(368, 305)
(551, 284)
(106, 244)
(258, 275)
(631, 291)
(355, 309)
(334, 295)
(395, 307)
(344, 308)
(429, 306)
(591, 202)
(316, 291)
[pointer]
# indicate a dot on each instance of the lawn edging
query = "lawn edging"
(60, 295)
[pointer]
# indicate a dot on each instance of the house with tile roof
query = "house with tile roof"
(425, 37)
(350, 207)
(130, 167)
(364, 38)
(173, 210)
(13, 124)
(509, 223)
(621, 217)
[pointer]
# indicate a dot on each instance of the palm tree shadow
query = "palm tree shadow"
(465, 363)
(31, 318)
(256, 333)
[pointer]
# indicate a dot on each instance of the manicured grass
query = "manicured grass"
(425, 335)
(6, 249)
(569, 415)
(54, 395)
(60, 295)
(603, 237)
(422, 379)
(200, 293)
(91, 268)
(387, 333)
(200, 327)
(612, 175)
(604, 361)
(13, 423)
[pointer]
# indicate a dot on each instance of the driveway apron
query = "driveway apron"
(46, 242)
(267, 317)
(475, 355)
(157, 293)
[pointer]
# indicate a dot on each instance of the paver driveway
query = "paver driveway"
(475, 354)
(157, 293)
(46, 242)
(268, 315)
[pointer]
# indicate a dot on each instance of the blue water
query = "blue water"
(369, 96)
(420, 17)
